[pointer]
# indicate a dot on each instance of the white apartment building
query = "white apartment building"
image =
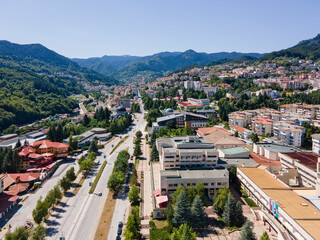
(213, 180)
(316, 143)
(186, 152)
(202, 102)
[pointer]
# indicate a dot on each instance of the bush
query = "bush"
(250, 202)
(244, 193)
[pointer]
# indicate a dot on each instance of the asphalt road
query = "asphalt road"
(79, 217)
(121, 209)
(24, 210)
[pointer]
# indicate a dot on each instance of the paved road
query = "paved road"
(121, 210)
(79, 218)
(24, 211)
(83, 109)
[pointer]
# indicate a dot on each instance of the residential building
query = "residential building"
(213, 180)
(244, 133)
(316, 143)
(186, 152)
(261, 125)
(234, 153)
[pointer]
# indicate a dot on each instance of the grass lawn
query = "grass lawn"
(105, 219)
(160, 223)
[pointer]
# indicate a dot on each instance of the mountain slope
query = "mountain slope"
(309, 49)
(35, 82)
(41, 60)
(130, 67)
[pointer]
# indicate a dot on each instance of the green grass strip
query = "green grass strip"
(119, 143)
(96, 180)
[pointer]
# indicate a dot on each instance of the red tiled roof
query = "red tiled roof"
(25, 177)
(26, 150)
(239, 129)
(6, 200)
(49, 144)
(308, 159)
(187, 104)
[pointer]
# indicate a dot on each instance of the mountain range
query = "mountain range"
(126, 67)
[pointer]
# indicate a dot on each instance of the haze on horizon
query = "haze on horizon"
(81, 29)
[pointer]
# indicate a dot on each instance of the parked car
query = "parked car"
(118, 238)
(120, 224)
(119, 231)
(126, 188)
(99, 193)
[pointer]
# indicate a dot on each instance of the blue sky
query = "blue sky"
(87, 28)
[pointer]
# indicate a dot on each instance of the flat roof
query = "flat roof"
(233, 150)
(300, 210)
(277, 148)
(195, 174)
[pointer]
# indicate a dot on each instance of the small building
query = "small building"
(124, 102)
(233, 153)
(213, 180)
(271, 150)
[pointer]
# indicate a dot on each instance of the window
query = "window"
(219, 183)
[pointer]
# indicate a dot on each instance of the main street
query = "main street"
(79, 218)
(122, 204)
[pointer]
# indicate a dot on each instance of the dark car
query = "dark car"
(120, 224)
(119, 231)
(118, 238)
(126, 188)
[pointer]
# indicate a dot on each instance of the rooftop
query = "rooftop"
(195, 174)
(308, 159)
(304, 213)
(277, 148)
(234, 150)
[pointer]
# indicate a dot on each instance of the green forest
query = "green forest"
(25, 97)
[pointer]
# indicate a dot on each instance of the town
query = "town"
(156, 140)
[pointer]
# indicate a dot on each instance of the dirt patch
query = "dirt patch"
(105, 219)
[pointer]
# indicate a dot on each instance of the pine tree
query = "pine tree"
(154, 155)
(18, 144)
(229, 215)
(201, 191)
(220, 200)
(182, 212)
(265, 236)
(240, 219)
(184, 232)
(198, 215)
(15, 161)
(246, 232)
(86, 120)
(93, 146)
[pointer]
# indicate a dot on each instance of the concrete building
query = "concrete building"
(298, 218)
(213, 180)
(233, 153)
(271, 150)
(316, 143)
(305, 163)
(261, 125)
(7, 199)
(124, 102)
(186, 152)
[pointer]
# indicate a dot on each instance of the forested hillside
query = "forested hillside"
(25, 97)
(307, 49)
(35, 82)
